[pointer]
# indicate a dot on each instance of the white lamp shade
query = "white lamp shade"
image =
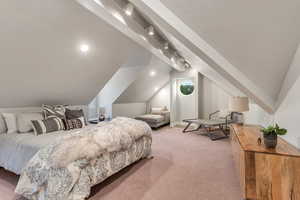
(239, 104)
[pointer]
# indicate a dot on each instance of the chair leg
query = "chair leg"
(185, 130)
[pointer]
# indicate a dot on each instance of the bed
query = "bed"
(65, 165)
(17, 149)
(157, 118)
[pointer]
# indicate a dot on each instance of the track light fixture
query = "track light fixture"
(159, 41)
(173, 59)
(99, 3)
(166, 46)
(151, 30)
(129, 9)
(187, 65)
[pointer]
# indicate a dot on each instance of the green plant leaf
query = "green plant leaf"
(274, 130)
(282, 131)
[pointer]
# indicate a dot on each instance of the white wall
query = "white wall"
(212, 97)
(129, 109)
(288, 112)
(176, 116)
(144, 87)
(257, 116)
(291, 77)
(112, 90)
(161, 98)
(215, 98)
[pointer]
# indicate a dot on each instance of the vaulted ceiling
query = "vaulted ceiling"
(258, 37)
(244, 46)
(40, 59)
(249, 44)
(151, 78)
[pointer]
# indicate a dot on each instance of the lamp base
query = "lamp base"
(101, 118)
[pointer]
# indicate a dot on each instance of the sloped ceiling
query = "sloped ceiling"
(145, 86)
(258, 37)
(39, 57)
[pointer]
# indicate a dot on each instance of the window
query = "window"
(187, 87)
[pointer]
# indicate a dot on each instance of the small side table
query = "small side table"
(94, 121)
(97, 121)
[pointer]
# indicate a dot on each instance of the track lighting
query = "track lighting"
(158, 40)
(166, 46)
(187, 65)
(129, 9)
(181, 60)
(151, 30)
(173, 59)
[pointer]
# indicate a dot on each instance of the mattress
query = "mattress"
(151, 118)
(17, 149)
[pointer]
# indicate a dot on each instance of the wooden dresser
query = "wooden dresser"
(265, 174)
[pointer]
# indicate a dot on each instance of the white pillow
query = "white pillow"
(24, 121)
(3, 128)
(11, 122)
(157, 110)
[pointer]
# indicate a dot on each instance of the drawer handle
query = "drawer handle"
(259, 141)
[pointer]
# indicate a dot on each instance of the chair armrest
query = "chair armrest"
(212, 114)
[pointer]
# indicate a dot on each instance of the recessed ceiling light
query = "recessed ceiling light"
(129, 9)
(156, 88)
(151, 30)
(84, 48)
(152, 73)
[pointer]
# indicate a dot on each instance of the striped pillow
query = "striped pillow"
(75, 123)
(54, 110)
(47, 125)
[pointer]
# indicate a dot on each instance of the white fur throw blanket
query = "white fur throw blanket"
(116, 135)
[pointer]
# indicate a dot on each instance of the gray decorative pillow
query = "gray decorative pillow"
(3, 128)
(24, 121)
(75, 123)
(74, 114)
(54, 111)
(47, 125)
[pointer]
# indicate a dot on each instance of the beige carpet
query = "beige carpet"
(185, 167)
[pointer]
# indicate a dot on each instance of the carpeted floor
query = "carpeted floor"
(185, 166)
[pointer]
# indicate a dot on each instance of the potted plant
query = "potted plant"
(270, 135)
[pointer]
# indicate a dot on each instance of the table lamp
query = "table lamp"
(239, 105)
